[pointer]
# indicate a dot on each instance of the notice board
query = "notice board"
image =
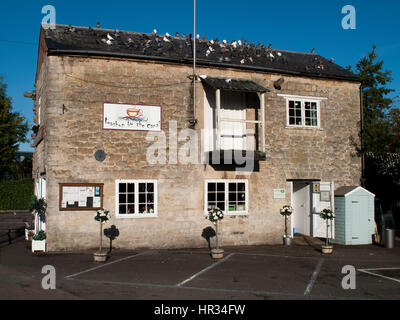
(81, 196)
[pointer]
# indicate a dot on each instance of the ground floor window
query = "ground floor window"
(136, 198)
(231, 196)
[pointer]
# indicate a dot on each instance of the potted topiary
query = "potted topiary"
(215, 215)
(39, 242)
(328, 215)
(38, 207)
(286, 211)
(101, 216)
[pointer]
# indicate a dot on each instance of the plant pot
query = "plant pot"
(327, 249)
(38, 245)
(100, 256)
(217, 253)
(287, 241)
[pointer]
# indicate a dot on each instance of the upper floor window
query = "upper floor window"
(302, 111)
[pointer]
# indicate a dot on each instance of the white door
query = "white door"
(301, 207)
(320, 201)
(233, 133)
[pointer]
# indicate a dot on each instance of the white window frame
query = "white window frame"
(136, 215)
(303, 100)
(227, 181)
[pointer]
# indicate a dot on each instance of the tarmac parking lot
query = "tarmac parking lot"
(299, 272)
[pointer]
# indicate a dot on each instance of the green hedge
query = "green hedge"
(15, 195)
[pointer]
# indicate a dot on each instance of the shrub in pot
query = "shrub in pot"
(101, 216)
(328, 215)
(215, 215)
(286, 211)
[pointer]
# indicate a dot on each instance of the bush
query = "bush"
(15, 195)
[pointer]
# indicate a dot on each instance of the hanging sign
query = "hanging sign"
(131, 117)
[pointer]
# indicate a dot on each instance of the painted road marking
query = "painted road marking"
(368, 271)
(204, 270)
(313, 277)
(107, 264)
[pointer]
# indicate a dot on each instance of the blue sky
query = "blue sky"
(287, 25)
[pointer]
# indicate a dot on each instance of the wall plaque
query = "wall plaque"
(131, 117)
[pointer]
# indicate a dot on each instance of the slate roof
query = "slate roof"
(92, 41)
(241, 85)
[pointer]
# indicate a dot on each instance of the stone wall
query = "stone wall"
(83, 84)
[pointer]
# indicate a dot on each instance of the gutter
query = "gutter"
(190, 61)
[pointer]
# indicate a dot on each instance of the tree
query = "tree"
(377, 106)
(13, 129)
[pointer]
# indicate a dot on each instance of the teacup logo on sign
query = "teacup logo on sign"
(131, 117)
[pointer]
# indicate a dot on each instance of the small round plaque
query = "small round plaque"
(100, 155)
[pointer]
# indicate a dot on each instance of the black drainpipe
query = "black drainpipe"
(362, 137)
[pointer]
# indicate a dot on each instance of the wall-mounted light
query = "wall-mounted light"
(30, 95)
(278, 83)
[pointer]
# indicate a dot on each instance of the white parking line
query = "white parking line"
(368, 271)
(204, 270)
(313, 277)
(106, 264)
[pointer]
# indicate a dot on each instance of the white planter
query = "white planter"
(38, 245)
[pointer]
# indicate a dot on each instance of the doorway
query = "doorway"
(301, 202)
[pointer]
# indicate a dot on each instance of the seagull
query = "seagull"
(109, 37)
(166, 39)
(167, 34)
(239, 42)
(155, 31)
(242, 61)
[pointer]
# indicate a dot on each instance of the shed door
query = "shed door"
(323, 199)
(359, 226)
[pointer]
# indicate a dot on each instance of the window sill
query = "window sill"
(304, 128)
(136, 216)
(232, 214)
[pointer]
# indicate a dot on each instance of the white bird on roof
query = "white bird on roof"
(279, 54)
(212, 41)
(242, 61)
(166, 39)
(239, 42)
(167, 34)
(109, 37)
(155, 31)
(224, 41)
(109, 42)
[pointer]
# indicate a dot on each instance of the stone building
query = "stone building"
(120, 126)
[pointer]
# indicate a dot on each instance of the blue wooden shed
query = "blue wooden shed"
(355, 217)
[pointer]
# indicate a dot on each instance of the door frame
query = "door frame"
(309, 182)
